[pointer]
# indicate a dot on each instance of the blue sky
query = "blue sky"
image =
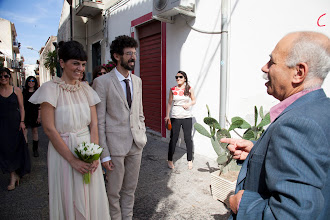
(35, 21)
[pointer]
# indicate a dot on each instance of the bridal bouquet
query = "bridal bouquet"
(88, 152)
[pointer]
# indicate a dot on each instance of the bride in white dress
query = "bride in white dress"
(69, 117)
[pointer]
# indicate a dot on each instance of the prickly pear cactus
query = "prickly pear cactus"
(254, 132)
(215, 134)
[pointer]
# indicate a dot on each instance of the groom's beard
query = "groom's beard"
(127, 64)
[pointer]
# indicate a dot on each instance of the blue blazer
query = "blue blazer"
(286, 175)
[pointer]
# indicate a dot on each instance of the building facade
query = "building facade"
(9, 52)
(44, 73)
(83, 21)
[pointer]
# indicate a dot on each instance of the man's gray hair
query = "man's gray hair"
(308, 50)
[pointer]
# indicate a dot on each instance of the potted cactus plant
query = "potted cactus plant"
(221, 186)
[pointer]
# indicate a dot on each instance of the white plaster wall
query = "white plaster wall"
(198, 55)
(255, 29)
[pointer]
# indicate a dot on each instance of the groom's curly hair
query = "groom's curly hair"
(119, 43)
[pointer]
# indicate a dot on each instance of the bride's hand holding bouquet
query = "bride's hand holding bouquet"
(89, 153)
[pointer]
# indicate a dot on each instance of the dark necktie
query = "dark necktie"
(128, 92)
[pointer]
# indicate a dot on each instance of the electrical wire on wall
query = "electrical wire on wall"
(115, 6)
(199, 30)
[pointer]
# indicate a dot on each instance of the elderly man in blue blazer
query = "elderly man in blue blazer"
(285, 174)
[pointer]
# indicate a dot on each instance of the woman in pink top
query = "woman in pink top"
(182, 96)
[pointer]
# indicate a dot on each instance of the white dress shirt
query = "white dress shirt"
(121, 79)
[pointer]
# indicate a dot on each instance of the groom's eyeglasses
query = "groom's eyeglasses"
(130, 53)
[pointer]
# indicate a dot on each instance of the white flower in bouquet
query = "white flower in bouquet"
(88, 152)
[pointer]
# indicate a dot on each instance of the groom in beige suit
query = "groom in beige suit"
(121, 127)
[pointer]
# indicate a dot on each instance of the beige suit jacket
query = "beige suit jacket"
(118, 124)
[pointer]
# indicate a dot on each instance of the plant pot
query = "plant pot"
(222, 187)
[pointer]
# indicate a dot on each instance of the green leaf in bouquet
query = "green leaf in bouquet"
(96, 156)
(79, 155)
(89, 160)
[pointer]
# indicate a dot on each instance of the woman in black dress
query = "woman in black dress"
(32, 112)
(14, 154)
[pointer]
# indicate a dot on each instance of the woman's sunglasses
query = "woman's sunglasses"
(4, 76)
(177, 77)
(32, 80)
(100, 73)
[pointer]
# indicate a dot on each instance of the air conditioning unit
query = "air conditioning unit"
(165, 10)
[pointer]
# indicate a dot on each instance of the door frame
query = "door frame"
(137, 22)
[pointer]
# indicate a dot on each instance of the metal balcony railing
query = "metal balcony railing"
(15, 64)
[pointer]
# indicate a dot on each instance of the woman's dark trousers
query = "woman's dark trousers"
(186, 124)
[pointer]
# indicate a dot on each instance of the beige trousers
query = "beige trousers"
(122, 182)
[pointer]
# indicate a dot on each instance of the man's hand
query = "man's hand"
(235, 200)
(108, 165)
(238, 148)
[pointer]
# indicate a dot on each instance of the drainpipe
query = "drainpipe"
(223, 63)
(71, 23)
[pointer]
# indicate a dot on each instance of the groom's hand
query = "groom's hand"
(108, 165)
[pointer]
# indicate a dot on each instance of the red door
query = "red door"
(150, 73)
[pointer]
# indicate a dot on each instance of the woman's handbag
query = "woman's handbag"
(168, 124)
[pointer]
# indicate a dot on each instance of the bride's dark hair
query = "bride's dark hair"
(71, 50)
